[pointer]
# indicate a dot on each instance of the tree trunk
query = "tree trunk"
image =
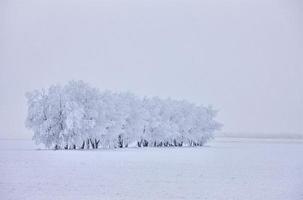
(92, 143)
(120, 141)
(145, 143)
(97, 143)
(87, 144)
(83, 145)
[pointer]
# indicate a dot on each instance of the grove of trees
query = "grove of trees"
(77, 116)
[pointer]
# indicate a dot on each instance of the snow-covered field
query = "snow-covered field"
(243, 169)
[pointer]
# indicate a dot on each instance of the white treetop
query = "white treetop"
(77, 116)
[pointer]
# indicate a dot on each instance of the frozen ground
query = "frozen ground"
(224, 169)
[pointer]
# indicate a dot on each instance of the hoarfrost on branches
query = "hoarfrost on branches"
(77, 116)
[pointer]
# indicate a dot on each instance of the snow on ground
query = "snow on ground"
(244, 169)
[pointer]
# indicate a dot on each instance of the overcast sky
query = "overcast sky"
(244, 57)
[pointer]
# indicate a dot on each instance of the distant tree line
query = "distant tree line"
(77, 116)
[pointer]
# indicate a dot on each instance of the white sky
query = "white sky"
(245, 57)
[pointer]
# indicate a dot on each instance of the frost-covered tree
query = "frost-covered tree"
(46, 116)
(64, 117)
(77, 116)
(82, 115)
